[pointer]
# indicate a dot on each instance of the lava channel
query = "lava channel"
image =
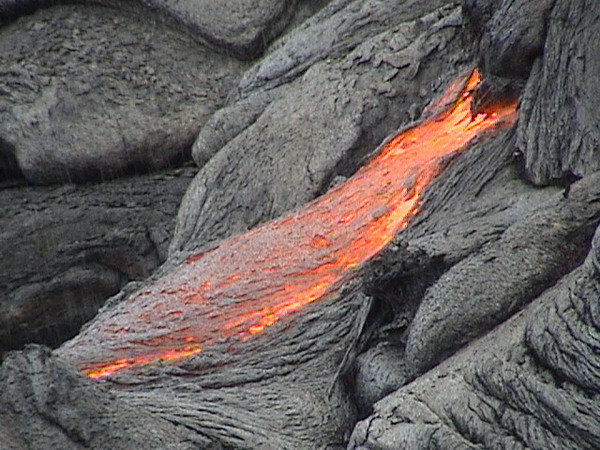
(251, 281)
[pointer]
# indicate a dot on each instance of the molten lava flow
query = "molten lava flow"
(251, 281)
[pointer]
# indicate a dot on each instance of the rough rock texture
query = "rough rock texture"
(559, 133)
(251, 395)
(489, 286)
(280, 390)
(242, 27)
(500, 404)
(71, 247)
(486, 244)
(277, 163)
(467, 209)
(44, 404)
(512, 33)
(531, 383)
(92, 92)
(332, 32)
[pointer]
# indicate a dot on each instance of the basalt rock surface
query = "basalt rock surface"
(241, 27)
(45, 404)
(531, 383)
(553, 46)
(270, 162)
(490, 285)
(493, 287)
(90, 93)
(559, 133)
(68, 248)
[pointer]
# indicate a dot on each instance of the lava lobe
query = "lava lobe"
(251, 281)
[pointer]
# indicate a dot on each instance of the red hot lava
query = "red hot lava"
(250, 281)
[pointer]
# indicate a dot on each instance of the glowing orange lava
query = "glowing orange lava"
(250, 281)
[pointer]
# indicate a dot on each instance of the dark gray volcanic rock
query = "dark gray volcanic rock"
(335, 30)
(276, 163)
(486, 244)
(92, 92)
(559, 133)
(67, 249)
(331, 33)
(512, 33)
(465, 211)
(558, 130)
(491, 285)
(379, 371)
(280, 390)
(229, 121)
(532, 383)
(46, 405)
(242, 27)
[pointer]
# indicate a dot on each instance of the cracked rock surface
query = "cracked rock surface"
(71, 247)
(532, 383)
(241, 27)
(270, 162)
(89, 93)
(478, 325)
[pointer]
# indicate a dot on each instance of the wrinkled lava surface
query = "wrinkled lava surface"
(248, 282)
